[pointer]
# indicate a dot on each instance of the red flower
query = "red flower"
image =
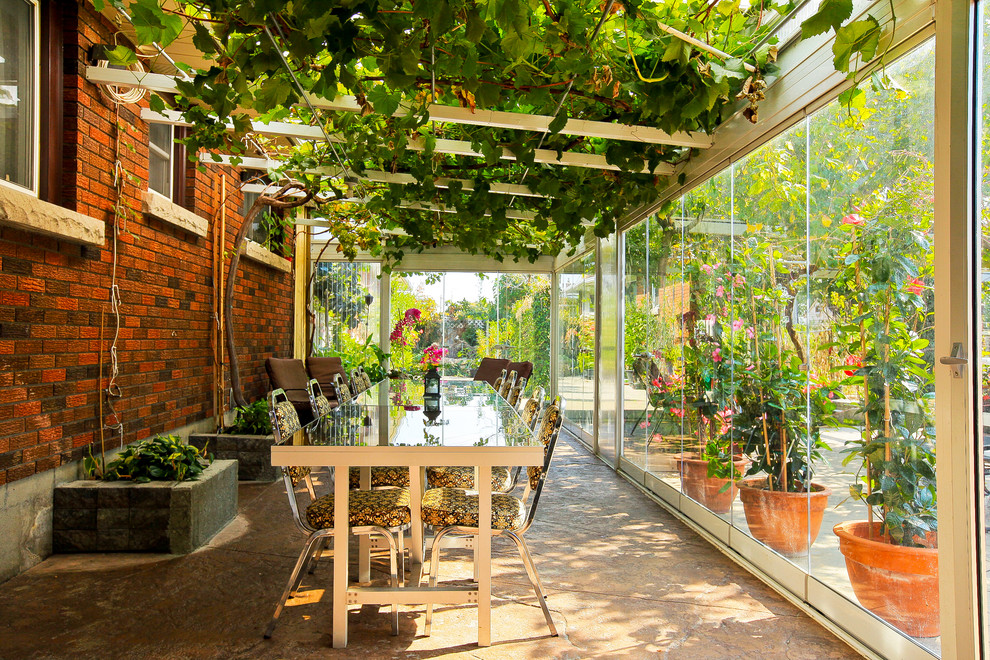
(852, 361)
(853, 219)
(915, 286)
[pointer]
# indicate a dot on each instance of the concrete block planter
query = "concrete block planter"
(253, 453)
(160, 516)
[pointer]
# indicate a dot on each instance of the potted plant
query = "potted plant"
(892, 556)
(248, 440)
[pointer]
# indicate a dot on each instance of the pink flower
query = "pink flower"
(739, 281)
(751, 367)
(853, 219)
(717, 355)
(750, 333)
(720, 291)
(707, 269)
(737, 325)
(915, 286)
(710, 318)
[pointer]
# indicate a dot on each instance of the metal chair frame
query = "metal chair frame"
(515, 534)
(516, 392)
(507, 384)
(498, 381)
(343, 392)
(318, 537)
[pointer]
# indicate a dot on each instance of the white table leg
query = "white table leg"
(483, 555)
(416, 480)
(364, 541)
(477, 480)
(340, 530)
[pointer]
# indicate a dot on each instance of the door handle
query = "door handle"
(956, 360)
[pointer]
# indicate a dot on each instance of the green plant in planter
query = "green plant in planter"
(252, 419)
(887, 264)
(162, 458)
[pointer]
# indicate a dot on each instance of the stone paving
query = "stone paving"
(625, 580)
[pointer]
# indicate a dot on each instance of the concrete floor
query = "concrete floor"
(625, 580)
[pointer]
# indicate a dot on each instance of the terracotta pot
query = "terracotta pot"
(898, 584)
(704, 489)
(787, 522)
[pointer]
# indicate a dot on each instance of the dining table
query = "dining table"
(393, 423)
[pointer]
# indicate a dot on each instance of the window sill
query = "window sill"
(28, 213)
(165, 210)
(256, 252)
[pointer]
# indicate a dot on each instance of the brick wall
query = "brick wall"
(52, 294)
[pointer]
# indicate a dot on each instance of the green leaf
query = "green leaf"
(859, 37)
(121, 56)
(830, 14)
(203, 40)
(558, 122)
(385, 102)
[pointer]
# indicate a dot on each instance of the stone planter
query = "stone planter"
(159, 516)
(253, 453)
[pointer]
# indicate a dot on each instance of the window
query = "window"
(160, 141)
(268, 226)
(19, 116)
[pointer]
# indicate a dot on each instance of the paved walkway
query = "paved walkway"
(625, 580)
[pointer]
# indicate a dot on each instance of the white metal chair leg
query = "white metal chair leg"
(402, 558)
(393, 561)
(434, 571)
(295, 577)
(317, 553)
(534, 578)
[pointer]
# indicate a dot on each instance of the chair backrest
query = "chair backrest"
(343, 392)
(516, 392)
(507, 384)
(289, 376)
(356, 381)
(533, 408)
(550, 425)
(489, 369)
(323, 369)
(365, 378)
(498, 381)
(522, 369)
(317, 400)
(285, 424)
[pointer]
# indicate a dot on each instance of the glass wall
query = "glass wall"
(344, 311)
(471, 316)
(778, 323)
(576, 341)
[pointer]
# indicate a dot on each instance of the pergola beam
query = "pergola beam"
(157, 82)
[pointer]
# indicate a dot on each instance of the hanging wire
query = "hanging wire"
(112, 391)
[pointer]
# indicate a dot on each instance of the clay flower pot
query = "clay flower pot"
(704, 489)
(787, 522)
(897, 583)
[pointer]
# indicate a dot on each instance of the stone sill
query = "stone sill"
(23, 211)
(256, 252)
(165, 210)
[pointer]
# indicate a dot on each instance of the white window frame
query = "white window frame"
(169, 157)
(35, 106)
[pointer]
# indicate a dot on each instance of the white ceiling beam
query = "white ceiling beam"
(273, 128)
(443, 113)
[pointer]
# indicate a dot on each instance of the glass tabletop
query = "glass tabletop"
(469, 414)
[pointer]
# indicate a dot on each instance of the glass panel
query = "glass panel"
(345, 310)
(266, 228)
(608, 360)
(576, 356)
(17, 90)
(983, 173)
(871, 233)
(160, 159)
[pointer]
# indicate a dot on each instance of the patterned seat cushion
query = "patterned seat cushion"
(460, 476)
(380, 476)
(385, 508)
(530, 411)
(454, 506)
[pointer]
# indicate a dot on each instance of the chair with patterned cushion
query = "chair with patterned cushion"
(357, 382)
(462, 476)
(318, 401)
(497, 385)
(534, 407)
(516, 392)
(507, 383)
(370, 512)
(453, 511)
(343, 391)
(381, 477)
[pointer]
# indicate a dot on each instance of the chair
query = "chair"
(522, 369)
(365, 378)
(371, 512)
(497, 385)
(341, 388)
(357, 382)
(323, 369)
(318, 401)
(454, 511)
(462, 476)
(534, 407)
(507, 384)
(516, 391)
(489, 369)
(290, 376)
